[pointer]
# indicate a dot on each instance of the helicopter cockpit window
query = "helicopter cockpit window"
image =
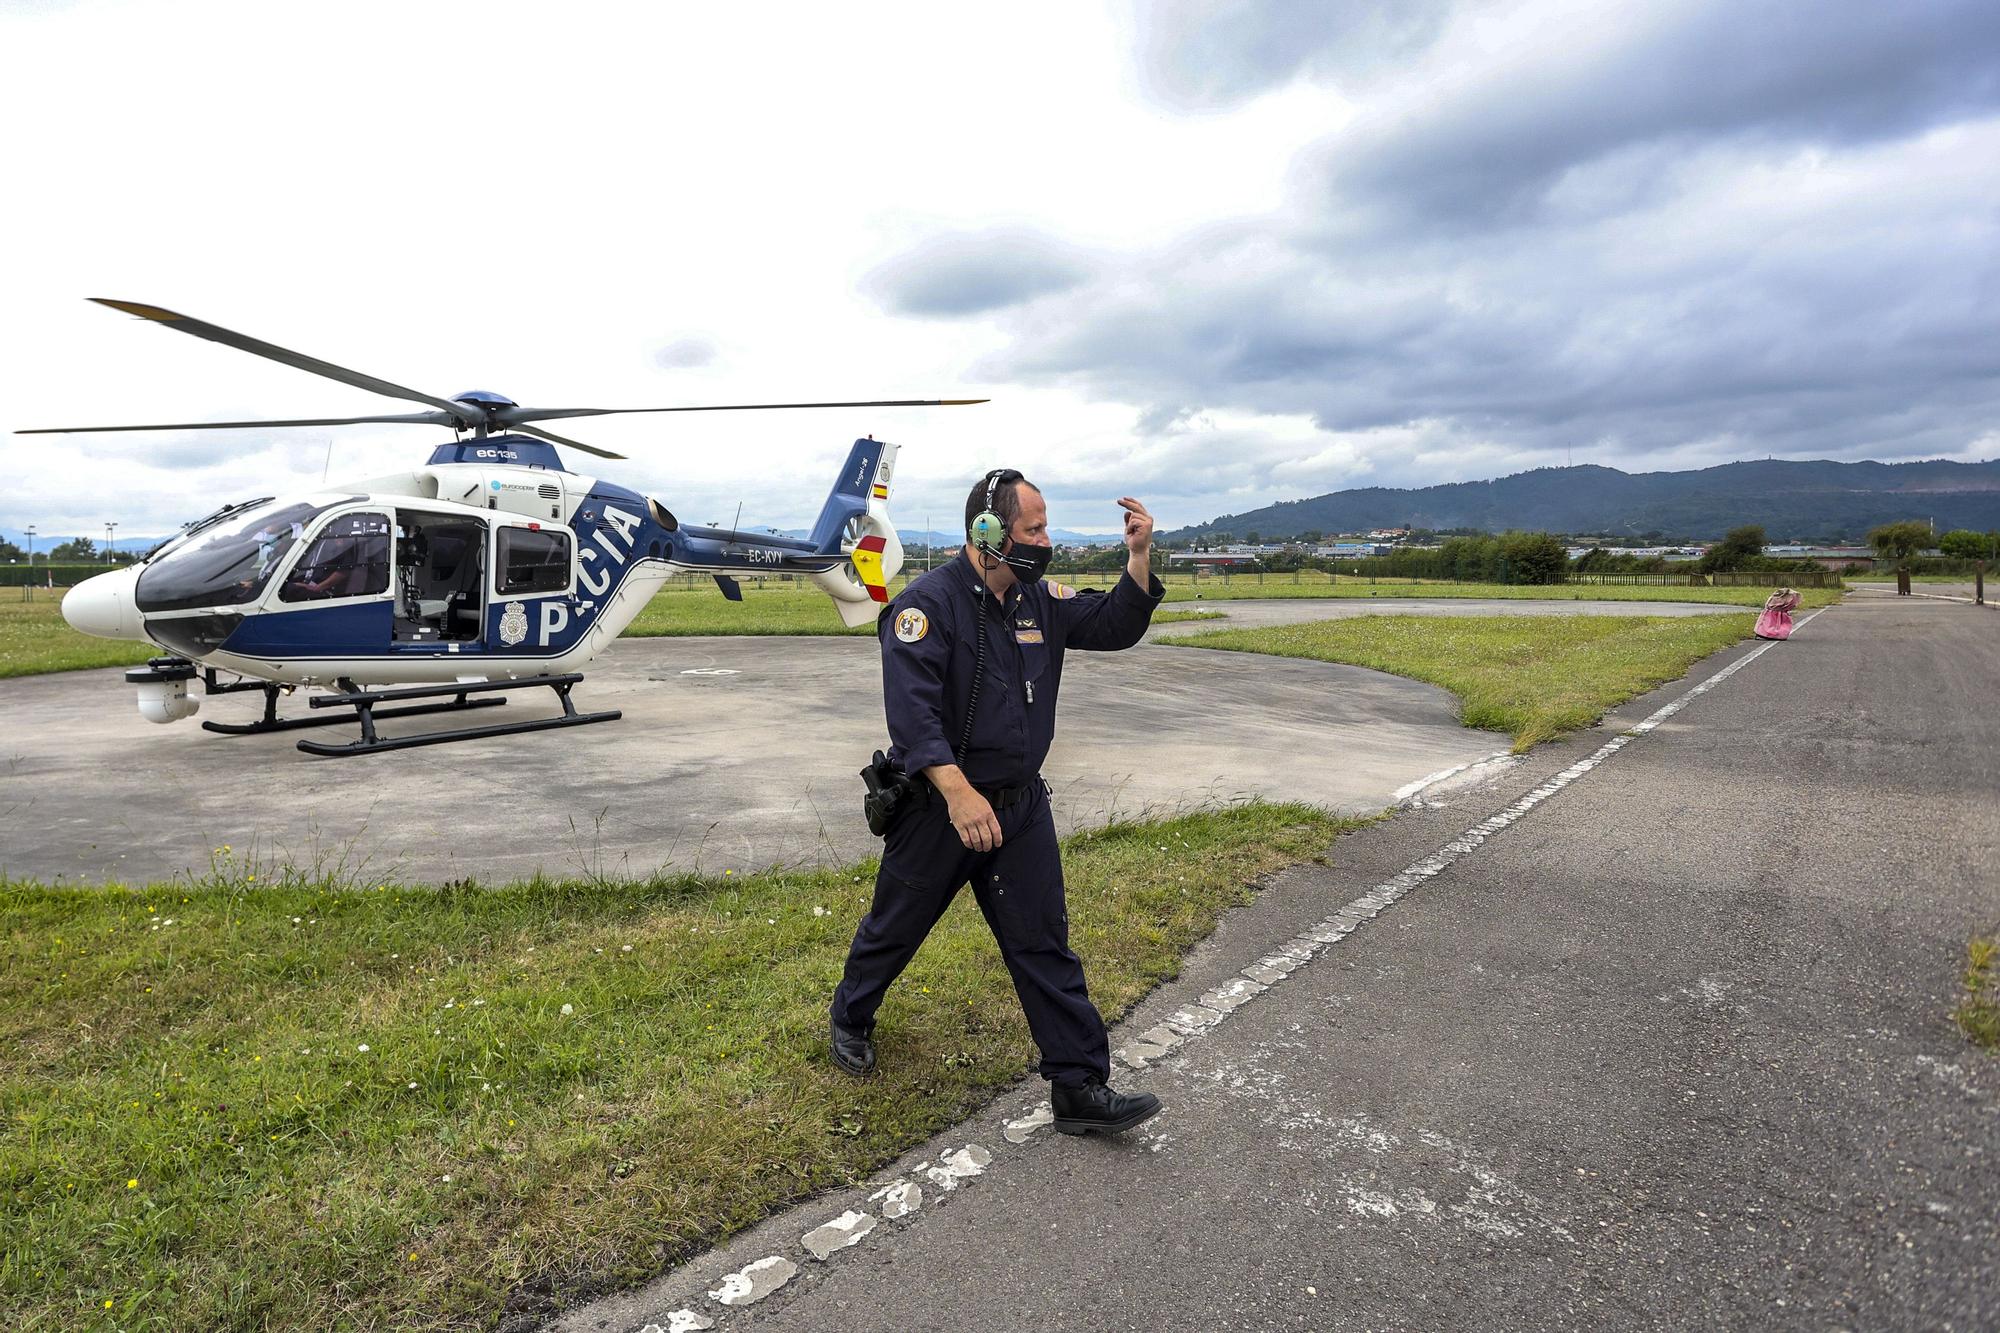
(534, 560)
(349, 558)
(228, 564)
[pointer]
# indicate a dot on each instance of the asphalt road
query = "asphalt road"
(734, 753)
(1670, 1049)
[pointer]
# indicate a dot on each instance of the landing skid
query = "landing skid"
(363, 703)
(272, 722)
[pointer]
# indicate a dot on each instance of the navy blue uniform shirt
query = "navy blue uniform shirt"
(928, 642)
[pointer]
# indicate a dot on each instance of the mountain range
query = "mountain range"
(1803, 501)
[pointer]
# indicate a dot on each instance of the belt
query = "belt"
(1002, 797)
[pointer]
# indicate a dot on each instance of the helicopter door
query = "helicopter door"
(440, 580)
(532, 577)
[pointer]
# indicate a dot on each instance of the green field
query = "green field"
(1533, 677)
(34, 638)
(255, 1103)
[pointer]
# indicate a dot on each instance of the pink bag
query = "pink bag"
(1775, 622)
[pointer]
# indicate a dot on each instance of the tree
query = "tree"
(1966, 544)
(1900, 541)
(1534, 557)
(77, 549)
(11, 552)
(1740, 548)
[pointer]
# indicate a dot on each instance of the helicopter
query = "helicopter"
(492, 568)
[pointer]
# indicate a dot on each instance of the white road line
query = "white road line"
(1402, 795)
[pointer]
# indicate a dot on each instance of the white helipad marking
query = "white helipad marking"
(681, 1321)
(1408, 794)
(711, 671)
(900, 1199)
(847, 1229)
(1018, 1130)
(753, 1282)
(969, 1161)
(1371, 1202)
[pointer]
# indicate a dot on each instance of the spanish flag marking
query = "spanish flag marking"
(868, 564)
(881, 491)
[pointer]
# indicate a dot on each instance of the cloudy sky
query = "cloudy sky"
(1211, 254)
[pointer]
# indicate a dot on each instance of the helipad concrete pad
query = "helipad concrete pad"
(733, 754)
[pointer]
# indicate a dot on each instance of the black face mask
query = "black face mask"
(1029, 563)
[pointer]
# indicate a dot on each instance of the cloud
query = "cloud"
(971, 273)
(1497, 124)
(1721, 231)
(1210, 55)
(685, 354)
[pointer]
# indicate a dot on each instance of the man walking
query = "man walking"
(972, 657)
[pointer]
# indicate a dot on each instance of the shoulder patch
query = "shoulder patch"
(1062, 592)
(912, 624)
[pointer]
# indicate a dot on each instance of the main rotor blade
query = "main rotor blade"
(411, 418)
(554, 438)
(298, 360)
(512, 415)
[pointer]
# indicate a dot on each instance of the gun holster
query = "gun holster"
(890, 793)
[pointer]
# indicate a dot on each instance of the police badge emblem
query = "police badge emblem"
(912, 624)
(513, 624)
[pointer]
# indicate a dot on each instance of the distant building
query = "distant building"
(1218, 559)
(1833, 557)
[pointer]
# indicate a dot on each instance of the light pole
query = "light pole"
(28, 589)
(109, 528)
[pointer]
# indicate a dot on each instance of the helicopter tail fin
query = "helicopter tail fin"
(855, 523)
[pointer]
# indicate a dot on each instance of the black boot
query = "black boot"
(1093, 1108)
(853, 1048)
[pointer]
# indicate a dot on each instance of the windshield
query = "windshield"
(227, 564)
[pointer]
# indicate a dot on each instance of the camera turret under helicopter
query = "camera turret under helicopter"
(490, 569)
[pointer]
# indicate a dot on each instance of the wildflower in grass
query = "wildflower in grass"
(568, 1009)
(132, 1184)
(363, 1048)
(625, 949)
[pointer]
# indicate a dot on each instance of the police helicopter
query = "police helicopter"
(492, 568)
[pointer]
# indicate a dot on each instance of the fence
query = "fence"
(40, 573)
(1746, 578)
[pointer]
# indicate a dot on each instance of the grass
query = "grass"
(34, 638)
(304, 1104)
(1533, 677)
(1978, 1012)
(1178, 617)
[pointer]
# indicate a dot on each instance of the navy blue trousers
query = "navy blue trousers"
(1019, 889)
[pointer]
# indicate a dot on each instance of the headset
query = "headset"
(988, 530)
